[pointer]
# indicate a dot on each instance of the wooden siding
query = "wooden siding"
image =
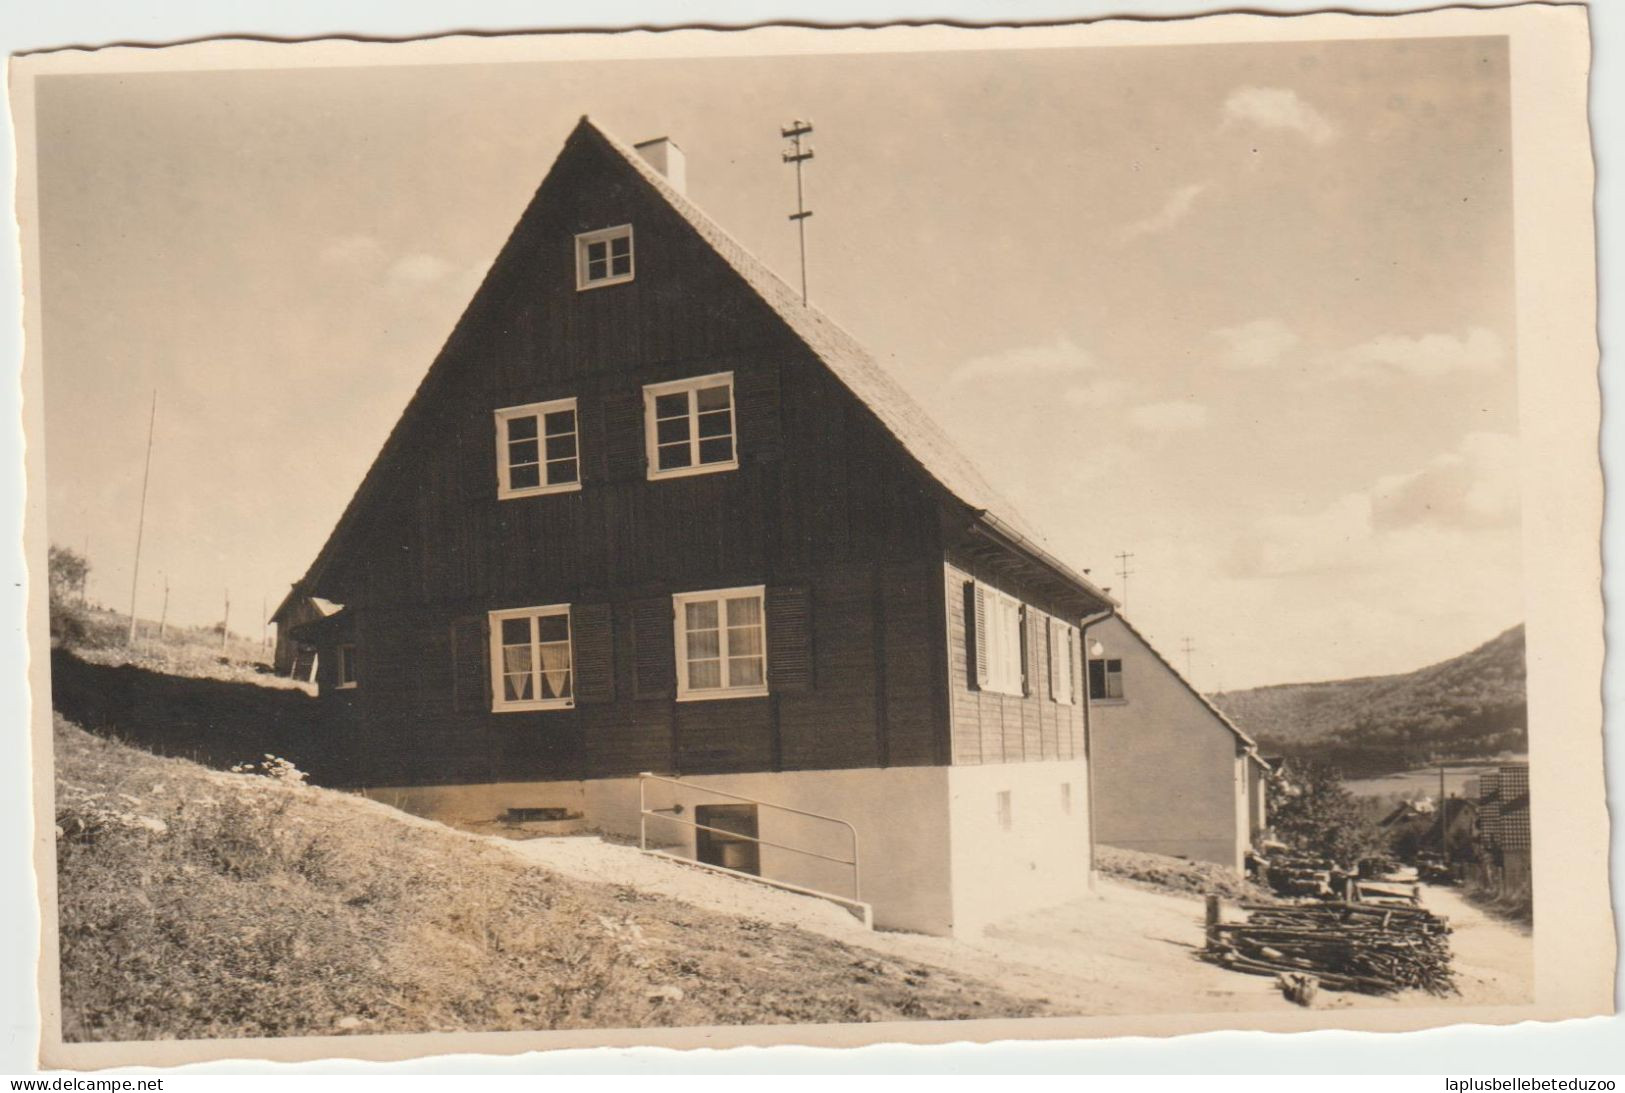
(988, 726)
(823, 501)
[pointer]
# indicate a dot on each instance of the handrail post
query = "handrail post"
(643, 813)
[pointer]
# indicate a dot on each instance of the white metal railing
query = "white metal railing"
(644, 812)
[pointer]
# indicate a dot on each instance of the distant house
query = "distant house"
(1413, 826)
(648, 512)
(1173, 775)
(1502, 832)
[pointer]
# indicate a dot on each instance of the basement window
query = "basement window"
(531, 659)
(1105, 678)
(689, 426)
(346, 660)
(604, 257)
(1006, 812)
(721, 644)
(538, 449)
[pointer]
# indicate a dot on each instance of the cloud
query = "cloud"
(1428, 520)
(1168, 417)
(1059, 359)
(1278, 108)
(1476, 486)
(1096, 394)
(418, 269)
(1176, 208)
(1258, 344)
(1428, 356)
(351, 250)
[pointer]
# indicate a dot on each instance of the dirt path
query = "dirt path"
(1125, 949)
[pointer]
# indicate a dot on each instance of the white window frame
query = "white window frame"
(685, 693)
(1106, 680)
(539, 411)
(651, 437)
(604, 235)
(1060, 662)
(499, 704)
(1004, 661)
(342, 662)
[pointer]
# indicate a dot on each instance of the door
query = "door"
(715, 848)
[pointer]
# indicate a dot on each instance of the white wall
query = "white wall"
(1041, 860)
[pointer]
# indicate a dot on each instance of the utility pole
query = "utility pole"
(163, 614)
(793, 133)
(225, 623)
(1444, 849)
(1124, 572)
(1189, 646)
(141, 518)
(265, 626)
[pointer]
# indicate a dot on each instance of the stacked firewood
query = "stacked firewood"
(1370, 948)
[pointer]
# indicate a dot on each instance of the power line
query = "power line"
(797, 155)
(141, 518)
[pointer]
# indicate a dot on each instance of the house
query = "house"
(1502, 835)
(1173, 775)
(648, 512)
(1415, 826)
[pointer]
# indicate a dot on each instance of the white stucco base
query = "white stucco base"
(934, 854)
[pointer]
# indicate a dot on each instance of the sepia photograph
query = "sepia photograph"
(935, 531)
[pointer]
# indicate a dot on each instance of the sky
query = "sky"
(1242, 311)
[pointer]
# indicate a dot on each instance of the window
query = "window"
(604, 257)
(1003, 646)
(346, 667)
(1060, 662)
(1105, 678)
(531, 664)
(537, 449)
(721, 644)
(689, 426)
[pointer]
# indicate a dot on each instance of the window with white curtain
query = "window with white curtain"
(721, 643)
(531, 664)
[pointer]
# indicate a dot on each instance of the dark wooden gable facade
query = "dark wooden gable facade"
(826, 509)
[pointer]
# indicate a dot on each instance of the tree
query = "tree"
(1316, 815)
(68, 571)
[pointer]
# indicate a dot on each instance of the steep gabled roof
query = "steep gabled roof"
(1250, 744)
(898, 413)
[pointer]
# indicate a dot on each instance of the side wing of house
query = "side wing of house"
(1171, 776)
(631, 522)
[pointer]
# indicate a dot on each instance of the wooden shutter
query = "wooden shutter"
(756, 412)
(470, 665)
(653, 649)
(592, 640)
(1053, 646)
(624, 456)
(789, 639)
(1072, 664)
(976, 633)
(1029, 652)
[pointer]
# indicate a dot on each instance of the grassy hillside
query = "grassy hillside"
(1469, 707)
(198, 903)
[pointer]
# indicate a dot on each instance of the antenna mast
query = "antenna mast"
(1189, 647)
(797, 155)
(1125, 573)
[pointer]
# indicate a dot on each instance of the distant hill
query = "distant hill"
(1470, 707)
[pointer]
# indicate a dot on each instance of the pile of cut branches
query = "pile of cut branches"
(1370, 948)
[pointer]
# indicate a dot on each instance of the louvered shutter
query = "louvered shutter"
(470, 665)
(653, 649)
(789, 639)
(1072, 662)
(623, 444)
(592, 638)
(1029, 651)
(1052, 632)
(976, 633)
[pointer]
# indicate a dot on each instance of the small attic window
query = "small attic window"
(604, 257)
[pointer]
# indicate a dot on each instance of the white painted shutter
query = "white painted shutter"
(976, 618)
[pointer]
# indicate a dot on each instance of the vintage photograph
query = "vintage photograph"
(863, 533)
